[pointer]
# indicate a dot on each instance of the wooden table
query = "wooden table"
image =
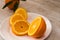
(48, 8)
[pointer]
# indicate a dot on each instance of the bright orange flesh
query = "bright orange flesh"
(22, 12)
(37, 28)
(15, 17)
(20, 27)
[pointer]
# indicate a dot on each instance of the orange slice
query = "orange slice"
(37, 28)
(22, 12)
(20, 27)
(15, 17)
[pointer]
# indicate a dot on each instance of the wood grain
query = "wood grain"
(48, 8)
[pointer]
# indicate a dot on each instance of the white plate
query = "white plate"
(6, 33)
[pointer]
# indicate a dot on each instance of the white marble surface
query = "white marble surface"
(48, 8)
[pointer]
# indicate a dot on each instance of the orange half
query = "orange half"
(20, 27)
(15, 17)
(22, 12)
(37, 28)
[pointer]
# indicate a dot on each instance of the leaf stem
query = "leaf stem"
(7, 4)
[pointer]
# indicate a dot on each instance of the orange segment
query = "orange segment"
(37, 28)
(20, 27)
(22, 12)
(15, 17)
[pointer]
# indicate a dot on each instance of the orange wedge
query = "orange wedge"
(15, 17)
(20, 27)
(22, 12)
(37, 28)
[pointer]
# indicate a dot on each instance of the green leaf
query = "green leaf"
(15, 6)
(23, 0)
(7, 4)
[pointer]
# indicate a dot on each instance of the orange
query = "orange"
(37, 28)
(20, 27)
(15, 17)
(11, 6)
(22, 12)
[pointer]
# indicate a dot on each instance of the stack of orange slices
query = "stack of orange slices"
(20, 25)
(18, 22)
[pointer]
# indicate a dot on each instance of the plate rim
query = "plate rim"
(28, 13)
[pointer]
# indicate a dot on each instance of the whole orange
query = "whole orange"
(11, 6)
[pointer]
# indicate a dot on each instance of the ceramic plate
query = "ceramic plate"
(5, 30)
